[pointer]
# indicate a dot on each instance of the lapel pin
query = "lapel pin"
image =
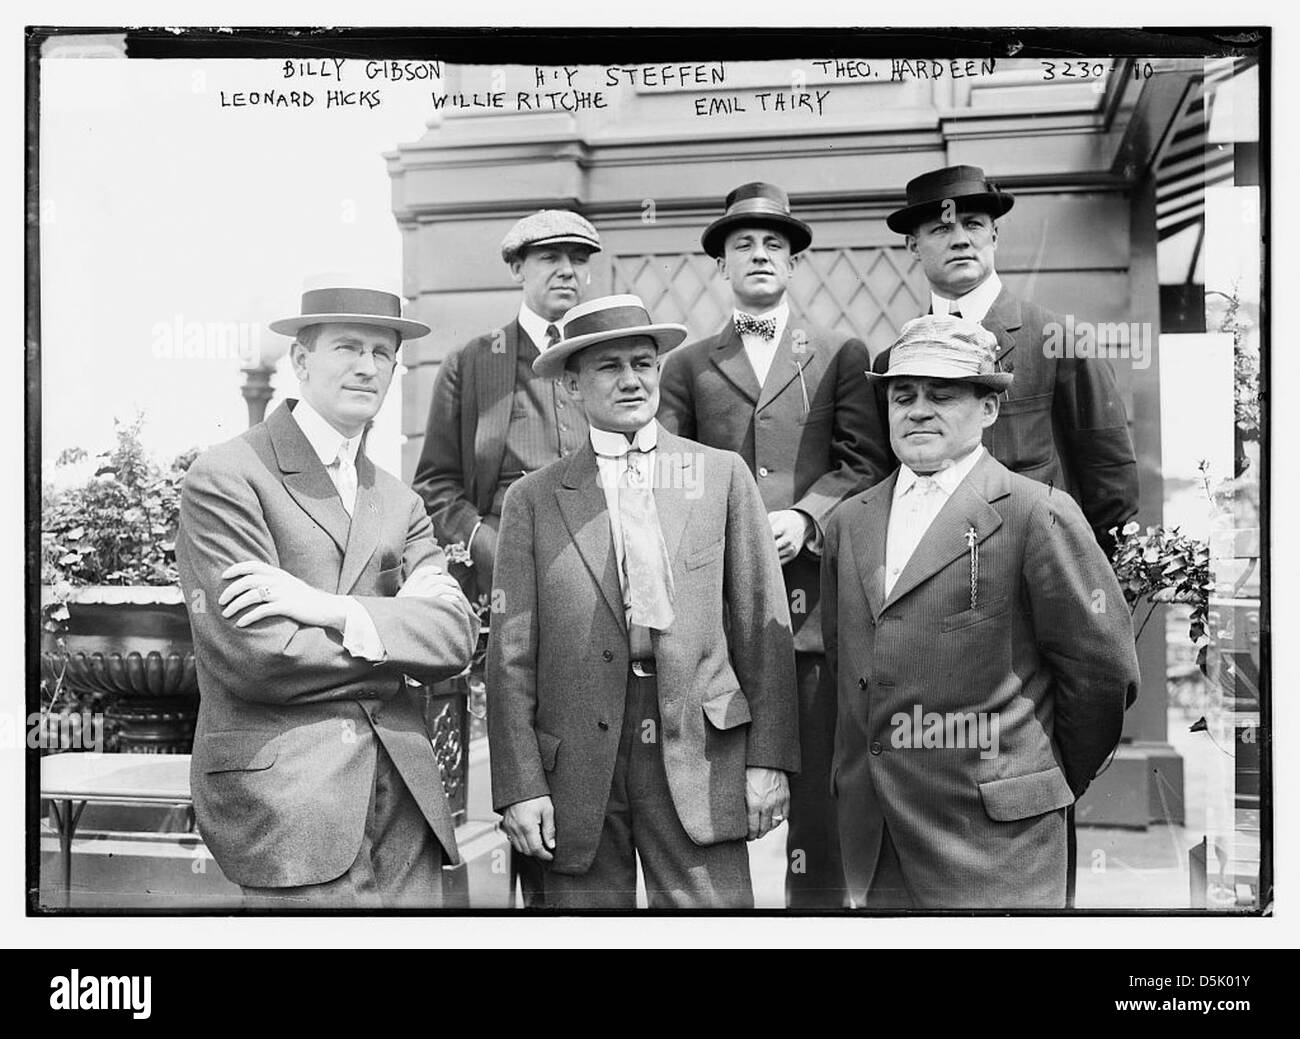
(974, 564)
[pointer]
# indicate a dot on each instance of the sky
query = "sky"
(167, 220)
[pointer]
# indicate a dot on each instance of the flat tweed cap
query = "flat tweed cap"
(549, 227)
(939, 346)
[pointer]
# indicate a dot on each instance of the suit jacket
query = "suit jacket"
(803, 458)
(558, 656)
(1047, 651)
(284, 753)
(1062, 422)
(465, 439)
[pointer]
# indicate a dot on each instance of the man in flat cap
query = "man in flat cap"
(788, 396)
(1063, 422)
(981, 647)
(315, 587)
(492, 418)
(641, 666)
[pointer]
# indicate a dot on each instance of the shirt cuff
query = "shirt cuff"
(818, 542)
(360, 636)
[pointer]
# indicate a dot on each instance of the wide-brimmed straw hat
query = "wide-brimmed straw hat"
(601, 321)
(939, 346)
(352, 305)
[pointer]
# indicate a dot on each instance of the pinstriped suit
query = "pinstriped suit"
(1047, 651)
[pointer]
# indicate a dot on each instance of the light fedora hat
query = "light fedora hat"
(344, 299)
(939, 346)
(601, 321)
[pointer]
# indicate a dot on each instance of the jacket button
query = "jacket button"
(862, 683)
(608, 655)
(876, 748)
(762, 470)
(603, 726)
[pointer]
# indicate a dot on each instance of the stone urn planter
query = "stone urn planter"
(130, 648)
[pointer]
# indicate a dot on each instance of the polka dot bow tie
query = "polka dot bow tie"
(747, 324)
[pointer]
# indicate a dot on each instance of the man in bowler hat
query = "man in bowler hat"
(788, 396)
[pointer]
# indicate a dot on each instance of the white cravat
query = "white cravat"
(761, 352)
(611, 452)
(975, 304)
(917, 501)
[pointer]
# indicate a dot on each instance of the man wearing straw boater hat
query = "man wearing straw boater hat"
(980, 644)
(641, 665)
(315, 587)
(1063, 421)
(492, 418)
(788, 396)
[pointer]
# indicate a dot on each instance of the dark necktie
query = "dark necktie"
(747, 324)
(552, 336)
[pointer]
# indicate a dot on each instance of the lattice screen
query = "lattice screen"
(869, 292)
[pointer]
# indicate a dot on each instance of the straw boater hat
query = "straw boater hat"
(548, 227)
(600, 321)
(763, 204)
(965, 185)
(344, 304)
(939, 346)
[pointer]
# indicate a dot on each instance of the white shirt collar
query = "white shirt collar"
(781, 312)
(534, 325)
(325, 440)
(975, 304)
(615, 445)
(948, 478)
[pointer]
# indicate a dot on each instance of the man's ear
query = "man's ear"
(721, 261)
(517, 271)
(297, 357)
(910, 240)
(794, 260)
(991, 405)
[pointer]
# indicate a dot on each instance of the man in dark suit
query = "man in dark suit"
(787, 396)
(981, 647)
(641, 662)
(1062, 422)
(315, 586)
(492, 418)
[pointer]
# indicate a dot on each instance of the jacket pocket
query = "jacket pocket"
(727, 710)
(1023, 797)
(983, 612)
(705, 555)
(238, 751)
(549, 746)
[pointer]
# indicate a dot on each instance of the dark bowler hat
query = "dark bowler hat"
(763, 204)
(965, 185)
(352, 306)
(600, 321)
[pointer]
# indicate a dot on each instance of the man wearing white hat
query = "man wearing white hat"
(314, 586)
(492, 418)
(641, 665)
(981, 648)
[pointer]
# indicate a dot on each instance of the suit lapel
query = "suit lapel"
(787, 365)
(867, 533)
(946, 540)
(729, 358)
(586, 514)
(305, 477)
(1003, 319)
(495, 390)
(676, 470)
(363, 535)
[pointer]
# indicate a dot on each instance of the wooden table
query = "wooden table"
(72, 781)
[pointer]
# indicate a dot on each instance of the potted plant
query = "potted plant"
(116, 634)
